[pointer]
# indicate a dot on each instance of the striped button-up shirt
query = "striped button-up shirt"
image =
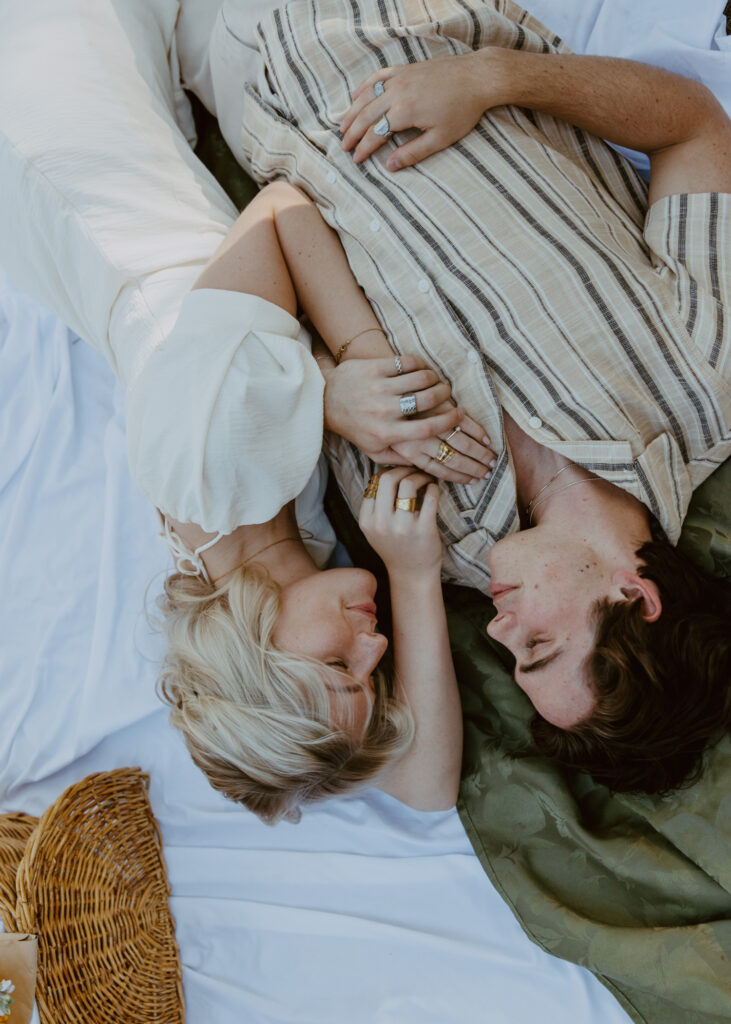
(521, 263)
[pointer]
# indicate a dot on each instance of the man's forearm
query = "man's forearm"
(630, 104)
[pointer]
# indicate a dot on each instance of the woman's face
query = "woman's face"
(331, 616)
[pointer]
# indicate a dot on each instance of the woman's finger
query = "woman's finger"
(418, 380)
(448, 456)
(474, 429)
(421, 401)
(461, 441)
(429, 426)
(409, 486)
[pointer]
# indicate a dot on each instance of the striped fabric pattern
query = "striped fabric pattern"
(521, 264)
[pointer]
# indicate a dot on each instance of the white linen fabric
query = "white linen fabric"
(365, 911)
(233, 377)
(107, 217)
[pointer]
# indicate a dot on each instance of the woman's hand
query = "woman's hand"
(362, 405)
(444, 97)
(466, 459)
(406, 538)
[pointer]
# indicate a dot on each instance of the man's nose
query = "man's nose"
(498, 627)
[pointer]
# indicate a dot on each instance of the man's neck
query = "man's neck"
(571, 498)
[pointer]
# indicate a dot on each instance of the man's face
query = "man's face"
(545, 592)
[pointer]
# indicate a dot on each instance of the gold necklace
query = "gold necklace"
(215, 579)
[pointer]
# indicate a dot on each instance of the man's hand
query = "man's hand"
(444, 97)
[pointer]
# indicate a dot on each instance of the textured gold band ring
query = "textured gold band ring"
(372, 489)
(405, 504)
(446, 451)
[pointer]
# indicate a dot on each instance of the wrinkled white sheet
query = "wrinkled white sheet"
(366, 911)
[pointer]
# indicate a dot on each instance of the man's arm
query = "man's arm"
(677, 121)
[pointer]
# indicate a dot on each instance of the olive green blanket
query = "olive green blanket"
(637, 889)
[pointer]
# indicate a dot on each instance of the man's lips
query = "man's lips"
(498, 589)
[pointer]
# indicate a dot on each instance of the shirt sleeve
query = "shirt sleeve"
(690, 240)
(225, 419)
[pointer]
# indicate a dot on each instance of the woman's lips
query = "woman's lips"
(498, 589)
(369, 608)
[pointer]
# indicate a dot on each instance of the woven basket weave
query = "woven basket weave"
(15, 831)
(92, 885)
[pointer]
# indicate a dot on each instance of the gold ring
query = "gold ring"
(446, 451)
(372, 489)
(405, 504)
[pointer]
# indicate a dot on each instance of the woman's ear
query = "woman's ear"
(634, 586)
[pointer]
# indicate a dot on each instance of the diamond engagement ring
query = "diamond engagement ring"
(382, 127)
(379, 88)
(446, 451)
(407, 404)
(405, 504)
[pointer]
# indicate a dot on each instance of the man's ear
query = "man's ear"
(634, 586)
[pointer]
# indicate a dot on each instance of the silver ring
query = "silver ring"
(382, 127)
(407, 404)
(379, 88)
(399, 367)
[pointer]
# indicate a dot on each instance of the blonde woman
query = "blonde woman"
(272, 666)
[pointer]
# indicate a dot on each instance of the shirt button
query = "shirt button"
(473, 356)
(375, 225)
(423, 285)
(332, 177)
(535, 423)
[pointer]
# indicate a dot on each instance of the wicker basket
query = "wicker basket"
(92, 885)
(15, 831)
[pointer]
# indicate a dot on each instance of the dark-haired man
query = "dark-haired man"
(589, 334)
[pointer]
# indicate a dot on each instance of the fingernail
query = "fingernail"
(393, 164)
(492, 464)
(486, 439)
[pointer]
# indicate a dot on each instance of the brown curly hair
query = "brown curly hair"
(663, 688)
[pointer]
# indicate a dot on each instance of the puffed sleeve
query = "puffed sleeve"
(225, 419)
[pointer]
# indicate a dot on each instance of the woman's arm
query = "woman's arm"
(282, 250)
(677, 121)
(408, 542)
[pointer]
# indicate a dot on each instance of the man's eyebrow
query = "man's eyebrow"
(542, 662)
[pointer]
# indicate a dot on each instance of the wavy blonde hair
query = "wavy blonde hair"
(261, 723)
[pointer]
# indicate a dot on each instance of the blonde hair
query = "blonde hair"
(261, 723)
